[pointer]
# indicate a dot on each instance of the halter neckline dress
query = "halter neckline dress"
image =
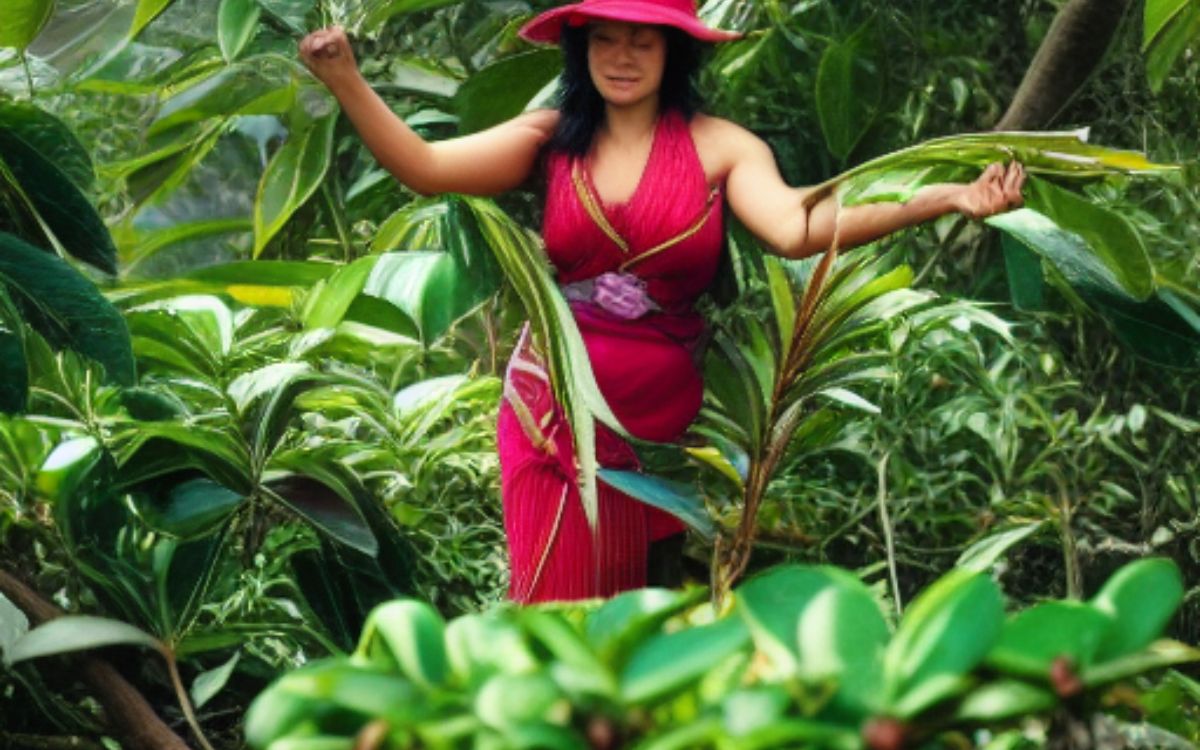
(669, 235)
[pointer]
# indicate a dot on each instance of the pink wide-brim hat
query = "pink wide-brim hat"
(681, 14)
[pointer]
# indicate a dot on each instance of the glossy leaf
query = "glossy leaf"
(137, 246)
(22, 20)
(1160, 654)
(237, 20)
(291, 177)
(1169, 28)
(71, 312)
(67, 467)
(191, 508)
(943, 635)
(408, 635)
(630, 617)
(1141, 598)
(376, 13)
(326, 509)
(330, 299)
(1033, 638)
(680, 500)
(671, 661)
(1004, 699)
(65, 216)
(70, 633)
(51, 138)
(159, 448)
(364, 691)
(147, 11)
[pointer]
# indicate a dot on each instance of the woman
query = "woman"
(635, 183)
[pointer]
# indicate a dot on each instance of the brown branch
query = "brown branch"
(129, 716)
(1072, 50)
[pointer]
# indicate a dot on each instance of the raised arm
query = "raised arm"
(775, 212)
(483, 163)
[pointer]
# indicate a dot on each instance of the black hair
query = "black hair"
(582, 107)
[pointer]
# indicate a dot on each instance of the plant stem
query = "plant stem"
(28, 74)
(184, 701)
(886, 522)
(339, 222)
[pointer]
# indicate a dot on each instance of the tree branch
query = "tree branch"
(1074, 46)
(129, 716)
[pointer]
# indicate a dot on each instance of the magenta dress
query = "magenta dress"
(669, 235)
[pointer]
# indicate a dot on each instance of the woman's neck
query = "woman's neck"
(630, 125)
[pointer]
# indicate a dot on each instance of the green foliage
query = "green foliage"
(806, 656)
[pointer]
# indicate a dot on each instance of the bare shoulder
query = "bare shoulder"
(722, 143)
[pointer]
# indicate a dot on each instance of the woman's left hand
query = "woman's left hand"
(997, 190)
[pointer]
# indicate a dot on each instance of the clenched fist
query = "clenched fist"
(997, 190)
(328, 55)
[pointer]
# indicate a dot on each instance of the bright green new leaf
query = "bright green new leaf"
(291, 177)
(1033, 638)
(329, 300)
(1170, 27)
(71, 633)
(629, 618)
(1160, 654)
(22, 20)
(480, 645)
(1004, 699)
(363, 690)
(1141, 597)
(147, 11)
(73, 312)
(671, 661)
(943, 635)
(237, 20)
(507, 701)
(407, 635)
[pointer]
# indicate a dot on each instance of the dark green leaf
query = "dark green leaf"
(191, 508)
(72, 312)
(849, 88)
(14, 377)
(325, 509)
(503, 89)
(678, 499)
(1026, 284)
(51, 138)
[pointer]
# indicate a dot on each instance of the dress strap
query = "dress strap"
(592, 206)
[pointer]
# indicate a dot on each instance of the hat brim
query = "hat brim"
(547, 27)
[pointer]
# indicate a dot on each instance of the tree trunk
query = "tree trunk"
(127, 713)
(1080, 35)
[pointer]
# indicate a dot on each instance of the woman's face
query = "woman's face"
(626, 61)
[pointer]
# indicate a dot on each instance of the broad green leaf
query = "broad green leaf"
(849, 87)
(502, 90)
(986, 552)
(1026, 284)
(671, 661)
(191, 508)
(1004, 699)
(182, 571)
(22, 20)
(159, 448)
(629, 618)
(207, 684)
(1170, 28)
(70, 633)
(577, 669)
(276, 712)
(676, 498)
(147, 11)
(255, 86)
(165, 170)
(65, 216)
(507, 701)
(1141, 597)
(480, 644)
(427, 286)
(330, 299)
(943, 635)
(408, 635)
(206, 318)
(325, 508)
(67, 466)
(746, 710)
(1033, 638)
(71, 311)
(51, 138)
(1109, 235)
(291, 177)
(290, 13)
(237, 20)
(376, 13)
(363, 690)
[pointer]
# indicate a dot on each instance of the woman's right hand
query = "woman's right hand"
(328, 55)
